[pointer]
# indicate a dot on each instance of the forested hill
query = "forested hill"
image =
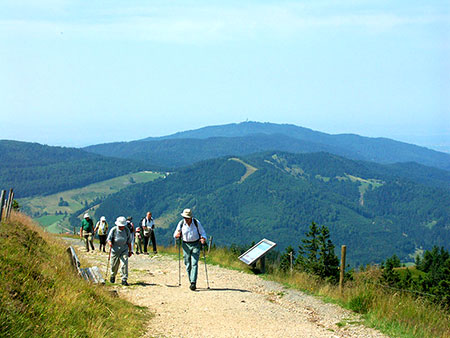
(373, 209)
(35, 169)
(249, 137)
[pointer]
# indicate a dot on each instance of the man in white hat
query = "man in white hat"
(119, 239)
(193, 236)
(87, 231)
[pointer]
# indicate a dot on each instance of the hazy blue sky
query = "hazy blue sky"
(76, 73)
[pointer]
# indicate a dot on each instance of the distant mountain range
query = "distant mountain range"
(376, 210)
(245, 138)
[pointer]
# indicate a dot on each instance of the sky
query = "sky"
(76, 73)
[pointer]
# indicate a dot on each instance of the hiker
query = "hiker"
(87, 231)
(193, 236)
(138, 241)
(119, 240)
(130, 227)
(148, 232)
(101, 228)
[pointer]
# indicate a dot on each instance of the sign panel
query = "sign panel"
(257, 251)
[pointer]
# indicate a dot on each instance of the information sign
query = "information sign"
(257, 251)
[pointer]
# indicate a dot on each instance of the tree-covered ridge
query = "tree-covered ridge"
(250, 137)
(35, 169)
(289, 191)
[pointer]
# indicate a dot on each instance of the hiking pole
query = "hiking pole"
(206, 270)
(179, 261)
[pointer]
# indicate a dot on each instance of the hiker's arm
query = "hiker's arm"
(81, 231)
(202, 233)
(110, 236)
(177, 232)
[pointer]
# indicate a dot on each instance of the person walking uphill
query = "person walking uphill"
(102, 230)
(193, 236)
(148, 232)
(87, 231)
(119, 240)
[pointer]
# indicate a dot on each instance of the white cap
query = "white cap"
(103, 218)
(86, 215)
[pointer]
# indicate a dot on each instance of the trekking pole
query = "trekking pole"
(206, 270)
(109, 258)
(179, 261)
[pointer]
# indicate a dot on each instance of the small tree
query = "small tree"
(328, 261)
(317, 255)
(15, 205)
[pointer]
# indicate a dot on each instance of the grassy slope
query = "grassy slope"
(394, 313)
(76, 197)
(42, 296)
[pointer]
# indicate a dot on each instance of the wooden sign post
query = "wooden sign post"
(341, 277)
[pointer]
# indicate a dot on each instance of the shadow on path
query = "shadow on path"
(143, 284)
(222, 289)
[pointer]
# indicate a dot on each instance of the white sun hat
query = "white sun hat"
(121, 221)
(187, 213)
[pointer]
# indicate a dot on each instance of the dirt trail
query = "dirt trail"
(236, 305)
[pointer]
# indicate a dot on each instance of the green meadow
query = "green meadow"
(48, 212)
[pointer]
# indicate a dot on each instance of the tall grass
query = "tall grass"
(396, 313)
(42, 296)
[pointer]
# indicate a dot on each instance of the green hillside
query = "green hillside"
(374, 211)
(34, 169)
(42, 296)
(250, 137)
(53, 212)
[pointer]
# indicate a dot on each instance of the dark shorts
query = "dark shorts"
(102, 239)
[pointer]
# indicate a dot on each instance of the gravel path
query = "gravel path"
(236, 305)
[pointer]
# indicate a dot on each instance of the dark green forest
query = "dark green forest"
(35, 169)
(373, 209)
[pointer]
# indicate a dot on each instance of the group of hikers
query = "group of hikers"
(124, 237)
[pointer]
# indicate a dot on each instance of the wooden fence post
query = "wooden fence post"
(291, 259)
(2, 203)
(210, 243)
(341, 277)
(8, 202)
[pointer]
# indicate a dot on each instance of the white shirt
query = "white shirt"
(190, 233)
(150, 224)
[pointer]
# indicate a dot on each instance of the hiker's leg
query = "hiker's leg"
(145, 243)
(195, 257)
(91, 241)
(124, 269)
(86, 239)
(114, 264)
(139, 245)
(153, 241)
(187, 258)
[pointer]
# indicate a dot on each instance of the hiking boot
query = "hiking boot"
(192, 287)
(125, 283)
(112, 280)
